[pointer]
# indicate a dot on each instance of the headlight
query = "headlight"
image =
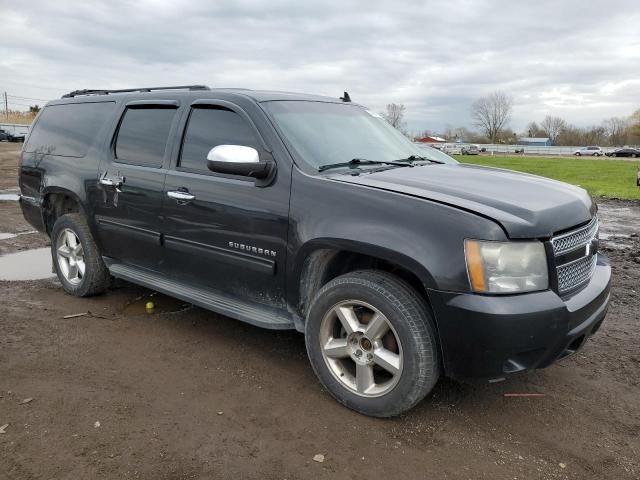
(506, 267)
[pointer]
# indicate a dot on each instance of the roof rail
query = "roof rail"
(76, 93)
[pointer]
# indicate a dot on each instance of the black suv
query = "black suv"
(292, 211)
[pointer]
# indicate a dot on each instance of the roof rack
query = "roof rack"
(76, 93)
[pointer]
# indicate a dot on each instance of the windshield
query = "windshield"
(328, 133)
(435, 154)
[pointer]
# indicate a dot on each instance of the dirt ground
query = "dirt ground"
(185, 393)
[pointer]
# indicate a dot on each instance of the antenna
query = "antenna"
(346, 98)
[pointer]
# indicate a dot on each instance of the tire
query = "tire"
(409, 344)
(95, 278)
(633, 155)
(577, 154)
(614, 154)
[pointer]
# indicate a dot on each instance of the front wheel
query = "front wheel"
(577, 154)
(371, 342)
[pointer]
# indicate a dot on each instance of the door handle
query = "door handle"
(109, 182)
(181, 196)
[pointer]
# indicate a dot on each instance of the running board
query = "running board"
(260, 316)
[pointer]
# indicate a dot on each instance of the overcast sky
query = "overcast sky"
(579, 59)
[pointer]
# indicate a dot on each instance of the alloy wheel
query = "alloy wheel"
(70, 256)
(361, 348)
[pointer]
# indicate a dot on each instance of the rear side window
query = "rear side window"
(69, 130)
(143, 135)
(210, 127)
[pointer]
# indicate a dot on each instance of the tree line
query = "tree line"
(491, 115)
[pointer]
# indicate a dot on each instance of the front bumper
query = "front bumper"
(490, 337)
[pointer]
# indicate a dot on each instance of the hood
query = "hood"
(527, 206)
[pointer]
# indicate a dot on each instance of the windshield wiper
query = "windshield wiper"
(361, 161)
(414, 158)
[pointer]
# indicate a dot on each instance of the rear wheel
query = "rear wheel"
(577, 154)
(76, 257)
(371, 342)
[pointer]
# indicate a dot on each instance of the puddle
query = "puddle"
(613, 236)
(27, 265)
(13, 197)
(6, 236)
(619, 224)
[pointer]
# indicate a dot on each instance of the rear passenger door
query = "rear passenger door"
(132, 180)
(227, 233)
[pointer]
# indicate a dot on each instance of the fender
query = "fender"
(317, 254)
(54, 190)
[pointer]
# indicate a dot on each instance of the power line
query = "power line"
(21, 104)
(27, 98)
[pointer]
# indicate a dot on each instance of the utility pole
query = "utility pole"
(6, 107)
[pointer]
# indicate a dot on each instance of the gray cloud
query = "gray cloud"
(575, 59)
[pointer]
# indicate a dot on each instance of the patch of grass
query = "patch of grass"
(600, 177)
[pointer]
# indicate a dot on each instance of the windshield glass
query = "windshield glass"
(328, 133)
(435, 154)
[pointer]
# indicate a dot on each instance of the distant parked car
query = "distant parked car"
(624, 152)
(470, 149)
(589, 152)
(452, 148)
(11, 136)
(433, 153)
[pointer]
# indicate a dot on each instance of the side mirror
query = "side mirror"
(238, 160)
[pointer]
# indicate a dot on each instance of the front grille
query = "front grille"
(576, 238)
(575, 274)
(578, 271)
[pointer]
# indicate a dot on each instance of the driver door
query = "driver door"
(226, 233)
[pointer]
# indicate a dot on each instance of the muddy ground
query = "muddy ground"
(184, 393)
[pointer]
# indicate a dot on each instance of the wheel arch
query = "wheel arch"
(321, 260)
(56, 202)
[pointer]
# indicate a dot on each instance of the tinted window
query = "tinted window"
(143, 134)
(210, 127)
(69, 130)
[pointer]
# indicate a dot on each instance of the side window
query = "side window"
(69, 129)
(208, 128)
(142, 136)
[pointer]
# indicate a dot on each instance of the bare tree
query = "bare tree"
(595, 135)
(553, 127)
(533, 130)
(492, 113)
(395, 115)
(617, 130)
(634, 124)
